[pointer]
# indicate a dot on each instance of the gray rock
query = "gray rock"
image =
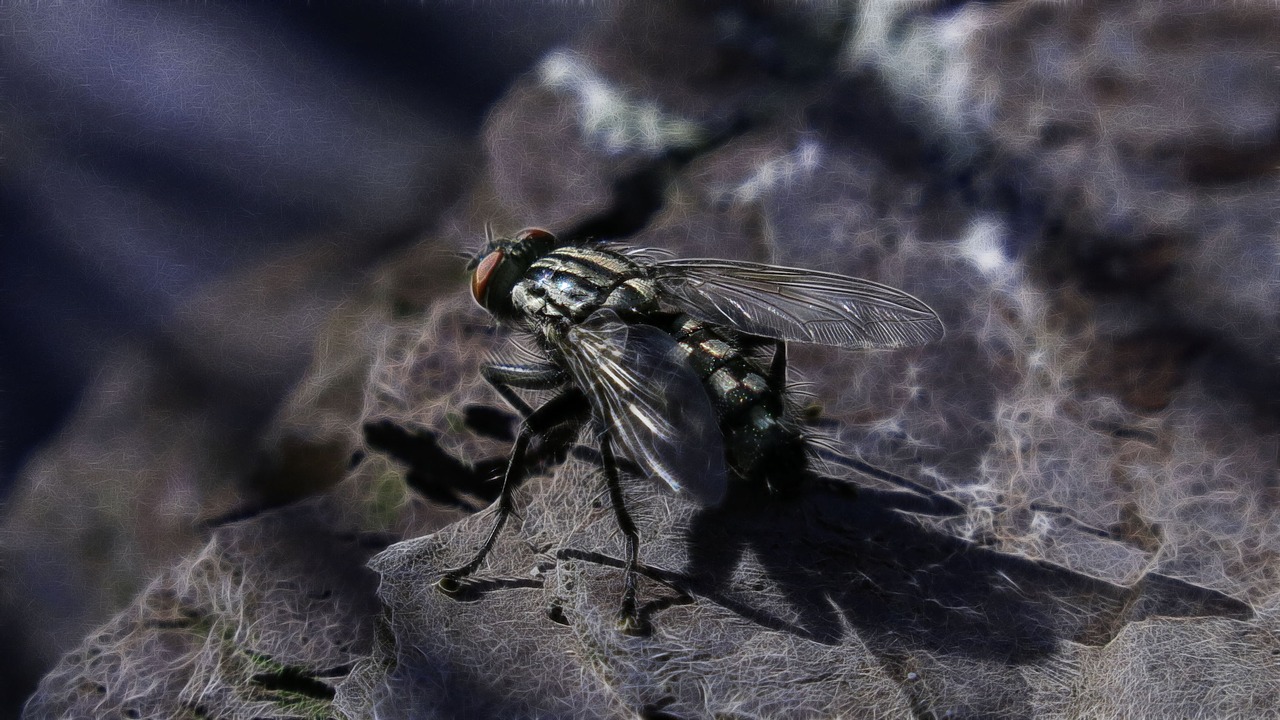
(1062, 509)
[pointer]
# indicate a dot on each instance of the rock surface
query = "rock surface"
(1066, 508)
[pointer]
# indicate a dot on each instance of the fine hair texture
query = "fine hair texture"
(1064, 508)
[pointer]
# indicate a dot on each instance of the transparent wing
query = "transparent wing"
(651, 401)
(800, 305)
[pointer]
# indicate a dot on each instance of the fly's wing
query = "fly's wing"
(798, 305)
(651, 401)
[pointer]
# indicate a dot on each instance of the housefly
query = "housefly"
(663, 355)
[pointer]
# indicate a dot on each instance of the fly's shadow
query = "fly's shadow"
(833, 558)
(442, 478)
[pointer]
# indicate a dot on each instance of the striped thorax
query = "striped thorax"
(571, 283)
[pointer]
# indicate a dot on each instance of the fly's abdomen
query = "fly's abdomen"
(571, 283)
(761, 442)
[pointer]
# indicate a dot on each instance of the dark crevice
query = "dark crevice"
(172, 624)
(294, 681)
(655, 712)
(337, 671)
(641, 194)
(1125, 432)
(555, 614)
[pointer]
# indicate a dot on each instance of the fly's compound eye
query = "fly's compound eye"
(535, 235)
(483, 274)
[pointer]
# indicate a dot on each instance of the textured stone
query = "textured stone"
(1065, 508)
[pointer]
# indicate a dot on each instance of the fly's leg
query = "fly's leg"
(778, 368)
(505, 376)
(565, 407)
(630, 621)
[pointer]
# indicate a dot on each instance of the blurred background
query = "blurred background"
(149, 149)
(155, 155)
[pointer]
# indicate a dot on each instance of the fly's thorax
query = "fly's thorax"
(571, 283)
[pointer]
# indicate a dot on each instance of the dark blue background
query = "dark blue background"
(147, 149)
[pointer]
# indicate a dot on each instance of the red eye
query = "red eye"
(535, 234)
(483, 273)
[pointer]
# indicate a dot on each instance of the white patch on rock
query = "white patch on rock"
(609, 116)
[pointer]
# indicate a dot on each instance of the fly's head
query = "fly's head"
(502, 263)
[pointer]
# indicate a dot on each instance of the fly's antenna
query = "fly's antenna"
(473, 258)
(470, 258)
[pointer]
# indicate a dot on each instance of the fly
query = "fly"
(660, 354)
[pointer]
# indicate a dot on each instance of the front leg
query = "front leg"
(569, 406)
(506, 376)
